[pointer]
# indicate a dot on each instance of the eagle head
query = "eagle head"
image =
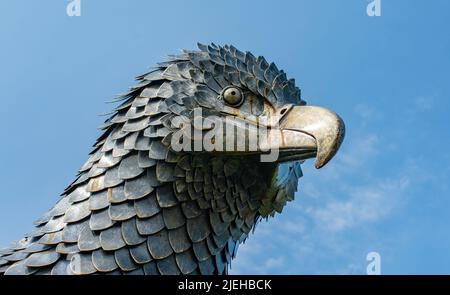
(245, 118)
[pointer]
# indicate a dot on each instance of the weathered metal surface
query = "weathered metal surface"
(138, 206)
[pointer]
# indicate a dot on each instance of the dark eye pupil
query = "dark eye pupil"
(233, 92)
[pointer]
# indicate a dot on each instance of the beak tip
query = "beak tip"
(329, 146)
(318, 165)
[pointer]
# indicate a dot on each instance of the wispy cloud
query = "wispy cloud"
(364, 204)
(424, 103)
(362, 150)
(343, 198)
(364, 111)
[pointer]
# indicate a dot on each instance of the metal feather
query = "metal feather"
(140, 253)
(124, 260)
(42, 259)
(186, 261)
(179, 239)
(130, 233)
(149, 226)
(159, 245)
(168, 266)
(146, 207)
(100, 220)
(104, 261)
(88, 240)
(122, 211)
(111, 238)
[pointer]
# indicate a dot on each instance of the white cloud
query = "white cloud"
(274, 263)
(364, 111)
(359, 152)
(365, 204)
(424, 103)
(343, 198)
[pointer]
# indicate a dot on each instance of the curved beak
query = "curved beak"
(309, 131)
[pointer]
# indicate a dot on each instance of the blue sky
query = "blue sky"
(388, 77)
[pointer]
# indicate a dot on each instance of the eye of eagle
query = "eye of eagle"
(233, 96)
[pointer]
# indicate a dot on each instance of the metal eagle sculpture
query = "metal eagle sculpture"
(150, 201)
